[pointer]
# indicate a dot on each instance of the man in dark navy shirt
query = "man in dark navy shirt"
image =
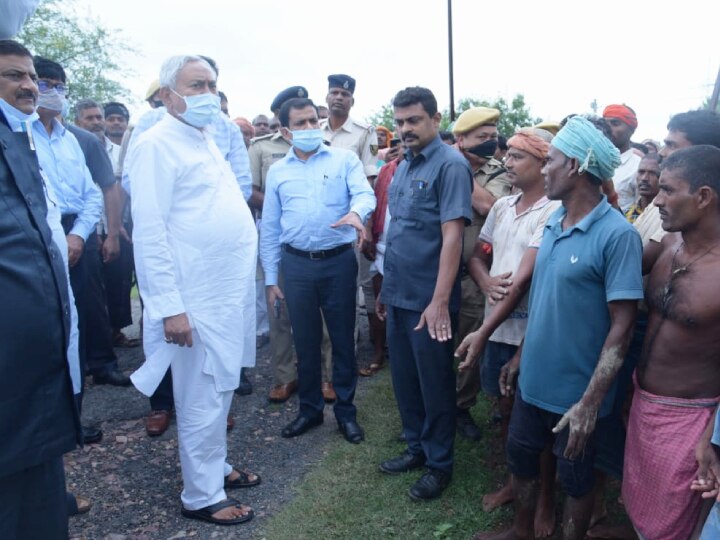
(430, 204)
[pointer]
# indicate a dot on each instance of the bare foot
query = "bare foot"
(612, 532)
(544, 518)
(508, 534)
(499, 498)
(232, 512)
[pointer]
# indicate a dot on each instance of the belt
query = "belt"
(317, 255)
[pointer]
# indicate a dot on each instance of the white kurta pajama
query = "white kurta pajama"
(195, 249)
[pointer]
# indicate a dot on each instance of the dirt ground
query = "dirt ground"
(134, 481)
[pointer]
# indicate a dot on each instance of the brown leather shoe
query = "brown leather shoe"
(157, 423)
(328, 392)
(281, 392)
(230, 422)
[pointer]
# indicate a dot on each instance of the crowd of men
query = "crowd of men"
(569, 276)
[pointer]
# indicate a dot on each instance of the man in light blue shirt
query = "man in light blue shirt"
(62, 163)
(314, 198)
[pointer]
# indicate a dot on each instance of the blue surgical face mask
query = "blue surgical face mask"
(307, 140)
(17, 119)
(201, 110)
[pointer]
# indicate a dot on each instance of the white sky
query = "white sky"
(658, 57)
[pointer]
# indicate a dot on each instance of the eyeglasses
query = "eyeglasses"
(45, 86)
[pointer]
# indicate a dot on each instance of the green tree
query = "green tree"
(513, 115)
(90, 53)
(383, 117)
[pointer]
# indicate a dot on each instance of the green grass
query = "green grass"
(346, 497)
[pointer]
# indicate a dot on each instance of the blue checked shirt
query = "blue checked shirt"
(63, 164)
(302, 200)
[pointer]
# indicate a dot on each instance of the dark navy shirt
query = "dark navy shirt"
(427, 190)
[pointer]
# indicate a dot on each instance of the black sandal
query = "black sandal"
(242, 481)
(206, 514)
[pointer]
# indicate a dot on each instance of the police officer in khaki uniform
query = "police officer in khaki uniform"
(342, 131)
(476, 135)
(263, 152)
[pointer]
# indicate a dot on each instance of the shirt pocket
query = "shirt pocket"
(335, 191)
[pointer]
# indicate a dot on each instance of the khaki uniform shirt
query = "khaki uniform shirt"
(499, 186)
(263, 152)
(356, 137)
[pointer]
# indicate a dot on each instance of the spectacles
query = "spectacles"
(45, 86)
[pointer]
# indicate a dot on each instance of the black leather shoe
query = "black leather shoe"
(352, 431)
(300, 425)
(403, 463)
(430, 486)
(91, 435)
(245, 388)
(466, 426)
(114, 377)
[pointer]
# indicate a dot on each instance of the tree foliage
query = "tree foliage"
(90, 53)
(513, 115)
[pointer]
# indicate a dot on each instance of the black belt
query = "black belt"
(317, 255)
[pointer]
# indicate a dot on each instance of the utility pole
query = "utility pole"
(450, 62)
(713, 105)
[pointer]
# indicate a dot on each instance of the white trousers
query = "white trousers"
(201, 413)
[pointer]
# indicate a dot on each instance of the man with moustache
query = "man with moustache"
(476, 134)
(502, 265)
(586, 283)
(623, 123)
(429, 204)
(38, 417)
(677, 385)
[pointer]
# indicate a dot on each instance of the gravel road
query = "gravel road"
(134, 481)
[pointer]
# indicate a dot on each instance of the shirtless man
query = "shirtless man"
(678, 377)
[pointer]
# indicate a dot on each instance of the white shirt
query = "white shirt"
(195, 249)
(624, 179)
(113, 152)
(511, 234)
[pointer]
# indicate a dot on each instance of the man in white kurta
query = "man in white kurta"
(195, 249)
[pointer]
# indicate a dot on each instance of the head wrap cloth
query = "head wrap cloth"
(530, 141)
(623, 113)
(581, 140)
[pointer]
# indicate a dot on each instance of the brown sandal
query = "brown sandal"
(372, 369)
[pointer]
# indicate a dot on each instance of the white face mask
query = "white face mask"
(52, 101)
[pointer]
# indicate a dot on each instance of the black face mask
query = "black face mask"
(157, 103)
(484, 150)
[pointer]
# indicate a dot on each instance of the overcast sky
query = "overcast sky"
(561, 55)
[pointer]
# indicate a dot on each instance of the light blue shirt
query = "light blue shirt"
(302, 200)
(63, 165)
(578, 271)
(227, 136)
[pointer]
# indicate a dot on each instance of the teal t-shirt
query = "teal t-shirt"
(577, 272)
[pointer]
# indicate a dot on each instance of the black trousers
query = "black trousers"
(328, 286)
(424, 383)
(100, 354)
(118, 276)
(33, 503)
(162, 398)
